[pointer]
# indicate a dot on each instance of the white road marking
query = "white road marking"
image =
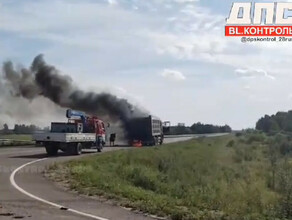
(14, 184)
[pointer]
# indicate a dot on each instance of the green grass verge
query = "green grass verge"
(205, 178)
(26, 137)
(15, 140)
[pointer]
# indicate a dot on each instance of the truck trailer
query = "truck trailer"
(81, 131)
(147, 130)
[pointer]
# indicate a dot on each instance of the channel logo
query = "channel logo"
(259, 19)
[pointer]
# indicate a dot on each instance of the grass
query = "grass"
(205, 178)
(15, 140)
(22, 137)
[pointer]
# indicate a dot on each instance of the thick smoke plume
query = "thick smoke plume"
(42, 79)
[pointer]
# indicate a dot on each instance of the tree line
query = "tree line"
(199, 128)
(282, 121)
(196, 128)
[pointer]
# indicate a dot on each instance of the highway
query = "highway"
(178, 138)
(26, 194)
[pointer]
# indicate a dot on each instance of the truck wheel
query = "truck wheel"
(51, 150)
(77, 149)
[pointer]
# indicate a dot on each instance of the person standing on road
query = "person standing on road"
(112, 139)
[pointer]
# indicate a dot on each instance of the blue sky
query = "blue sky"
(169, 56)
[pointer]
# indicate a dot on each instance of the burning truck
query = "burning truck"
(146, 131)
(84, 131)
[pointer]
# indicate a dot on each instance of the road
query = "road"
(178, 138)
(26, 194)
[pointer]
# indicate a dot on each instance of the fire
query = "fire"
(137, 143)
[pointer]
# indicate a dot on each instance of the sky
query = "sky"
(168, 56)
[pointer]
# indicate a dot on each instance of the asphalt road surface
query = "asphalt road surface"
(26, 194)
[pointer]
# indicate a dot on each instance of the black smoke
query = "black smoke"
(42, 79)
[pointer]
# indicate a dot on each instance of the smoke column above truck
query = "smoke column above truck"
(42, 79)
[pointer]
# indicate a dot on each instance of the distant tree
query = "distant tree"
(264, 124)
(226, 129)
(16, 129)
(282, 121)
(5, 129)
(177, 130)
(25, 129)
(199, 128)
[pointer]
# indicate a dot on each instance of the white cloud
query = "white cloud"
(193, 35)
(173, 75)
(253, 73)
(112, 2)
(186, 1)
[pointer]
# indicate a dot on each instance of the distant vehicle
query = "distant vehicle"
(166, 127)
(81, 131)
(147, 130)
